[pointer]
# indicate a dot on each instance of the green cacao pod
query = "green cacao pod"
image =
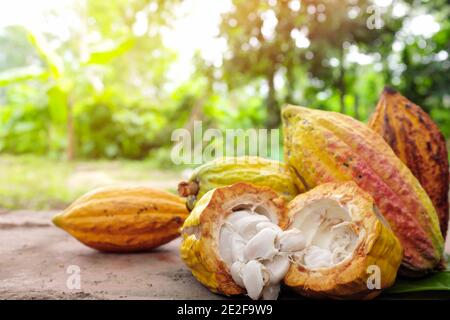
(226, 171)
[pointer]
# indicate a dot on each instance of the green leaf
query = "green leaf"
(21, 74)
(57, 104)
(106, 56)
(53, 61)
(439, 281)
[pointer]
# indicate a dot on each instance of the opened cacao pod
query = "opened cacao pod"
(417, 141)
(124, 219)
(238, 240)
(350, 253)
(325, 147)
(226, 171)
(214, 237)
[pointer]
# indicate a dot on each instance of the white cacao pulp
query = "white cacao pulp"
(329, 234)
(249, 246)
(258, 253)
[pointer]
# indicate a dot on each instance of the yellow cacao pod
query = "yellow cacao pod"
(353, 253)
(241, 239)
(324, 147)
(418, 142)
(226, 171)
(124, 219)
(201, 232)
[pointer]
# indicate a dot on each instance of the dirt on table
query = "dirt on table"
(40, 261)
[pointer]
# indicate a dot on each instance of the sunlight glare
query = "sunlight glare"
(270, 22)
(399, 10)
(28, 13)
(140, 27)
(355, 56)
(383, 3)
(195, 29)
(423, 25)
(295, 5)
(300, 38)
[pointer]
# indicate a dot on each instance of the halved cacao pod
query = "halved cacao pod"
(351, 251)
(201, 249)
(323, 146)
(235, 242)
(226, 171)
(418, 142)
(124, 219)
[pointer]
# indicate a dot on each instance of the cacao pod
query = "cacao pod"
(323, 146)
(234, 242)
(417, 141)
(226, 171)
(124, 219)
(207, 247)
(348, 243)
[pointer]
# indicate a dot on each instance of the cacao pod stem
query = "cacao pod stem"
(188, 188)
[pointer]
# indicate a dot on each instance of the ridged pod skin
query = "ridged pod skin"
(417, 141)
(118, 219)
(323, 147)
(226, 171)
(200, 232)
(377, 246)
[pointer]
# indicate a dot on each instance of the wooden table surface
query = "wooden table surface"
(40, 261)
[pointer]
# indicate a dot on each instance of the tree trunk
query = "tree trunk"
(273, 111)
(341, 100)
(357, 106)
(290, 85)
(70, 132)
(341, 83)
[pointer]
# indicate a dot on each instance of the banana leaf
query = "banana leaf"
(52, 60)
(437, 282)
(106, 56)
(21, 74)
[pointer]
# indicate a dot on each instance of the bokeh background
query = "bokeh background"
(91, 90)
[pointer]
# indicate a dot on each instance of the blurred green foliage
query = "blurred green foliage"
(38, 183)
(103, 91)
